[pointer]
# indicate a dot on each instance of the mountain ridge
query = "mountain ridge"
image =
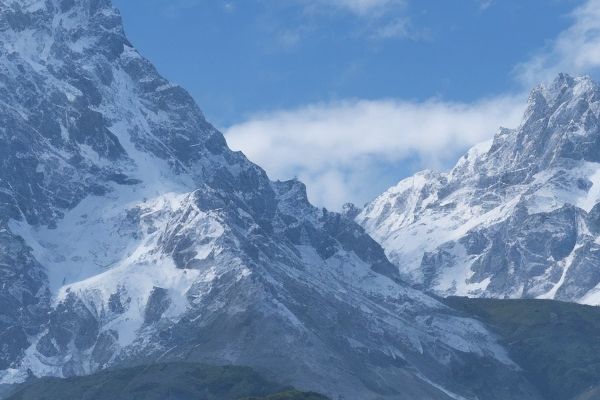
(131, 233)
(516, 217)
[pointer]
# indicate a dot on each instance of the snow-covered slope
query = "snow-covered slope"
(516, 217)
(130, 232)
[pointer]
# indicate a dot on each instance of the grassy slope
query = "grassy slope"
(177, 381)
(290, 395)
(556, 343)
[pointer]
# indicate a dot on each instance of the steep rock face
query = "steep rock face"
(516, 217)
(130, 232)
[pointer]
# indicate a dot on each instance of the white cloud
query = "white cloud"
(362, 7)
(485, 4)
(289, 39)
(352, 150)
(402, 28)
(379, 19)
(175, 8)
(229, 7)
(343, 150)
(575, 51)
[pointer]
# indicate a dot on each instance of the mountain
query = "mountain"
(130, 234)
(517, 217)
(556, 343)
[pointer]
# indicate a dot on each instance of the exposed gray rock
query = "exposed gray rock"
(516, 217)
(132, 233)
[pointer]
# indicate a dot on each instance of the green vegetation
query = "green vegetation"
(290, 395)
(557, 344)
(174, 381)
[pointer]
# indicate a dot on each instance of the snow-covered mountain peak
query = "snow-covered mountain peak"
(69, 18)
(514, 216)
(55, 8)
(566, 100)
(560, 123)
(130, 231)
(566, 87)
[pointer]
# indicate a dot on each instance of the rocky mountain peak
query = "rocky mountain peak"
(563, 101)
(59, 15)
(130, 232)
(53, 8)
(561, 123)
(46, 32)
(516, 215)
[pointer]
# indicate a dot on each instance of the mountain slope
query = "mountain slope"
(180, 381)
(131, 234)
(556, 343)
(516, 217)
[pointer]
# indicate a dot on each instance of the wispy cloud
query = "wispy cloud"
(176, 8)
(371, 19)
(360, 7)
(347, 150)
(289, 39)
(379, 19)
(485, 4)
(342, 149)
(575, 51)
(401, 28)
(229, 6)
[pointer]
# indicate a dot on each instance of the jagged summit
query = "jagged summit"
(566, 87)
(516, 216)
(57, 8)
(45, 25)
(561, 122)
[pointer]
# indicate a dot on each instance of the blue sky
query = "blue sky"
(352, 95)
